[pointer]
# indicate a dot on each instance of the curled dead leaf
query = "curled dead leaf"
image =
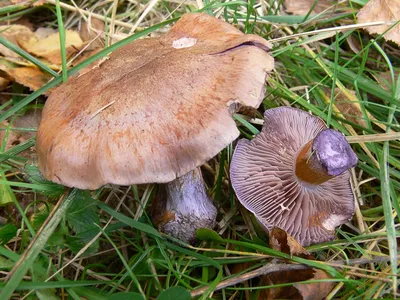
(382, 10)
(280, 240)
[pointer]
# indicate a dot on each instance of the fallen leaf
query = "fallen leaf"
(31, 77)
(92, 32)
(354, 44)
(350, 109)
(385, 79)
(310, 291)
(12, 33)
(282, 241)
(382, 10)
(4, 82)
(302, 7)
(49, 47)
(44, 32)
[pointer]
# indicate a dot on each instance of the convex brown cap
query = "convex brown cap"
(293, 175)
(156, 109)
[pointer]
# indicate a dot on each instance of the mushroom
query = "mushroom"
(178, 216)
(293, 175)
(155, 109)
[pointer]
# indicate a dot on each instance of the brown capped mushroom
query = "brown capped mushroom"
(156, 109)
(183, 206)
(293, 175)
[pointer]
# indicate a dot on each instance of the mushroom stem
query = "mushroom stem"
(186, 209)
(326, 156)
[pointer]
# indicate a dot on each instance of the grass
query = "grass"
(99, 244)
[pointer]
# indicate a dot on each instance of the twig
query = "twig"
(335, 29)
(274, 267)
(269, 268)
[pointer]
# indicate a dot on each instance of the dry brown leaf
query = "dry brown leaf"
(31, 77)
(12, 33)
(350, 109)
(302, 7)
(385, 79)
(382, 10)
(92, 32)
(316, 290)
(287, 292)
(49, 47)
(280, 240)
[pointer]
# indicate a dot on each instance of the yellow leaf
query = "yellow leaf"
(31, 77)
(12, 33)
(49, 47)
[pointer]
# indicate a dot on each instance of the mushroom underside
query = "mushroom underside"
(264, 179)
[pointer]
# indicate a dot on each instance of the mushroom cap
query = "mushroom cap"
(156, 109)
(263, 177)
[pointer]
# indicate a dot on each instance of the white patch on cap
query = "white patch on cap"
(332, 222)
(184, 42)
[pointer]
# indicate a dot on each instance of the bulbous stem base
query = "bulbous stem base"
(326, 156)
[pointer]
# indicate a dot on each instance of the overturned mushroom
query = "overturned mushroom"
(155, 109)
(186, 209)
(293, 175)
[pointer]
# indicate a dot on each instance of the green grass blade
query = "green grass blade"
(36, 246)
(61, 31)
(27, 56)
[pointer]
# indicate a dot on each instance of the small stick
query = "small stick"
(273, 267)
(101, 109)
